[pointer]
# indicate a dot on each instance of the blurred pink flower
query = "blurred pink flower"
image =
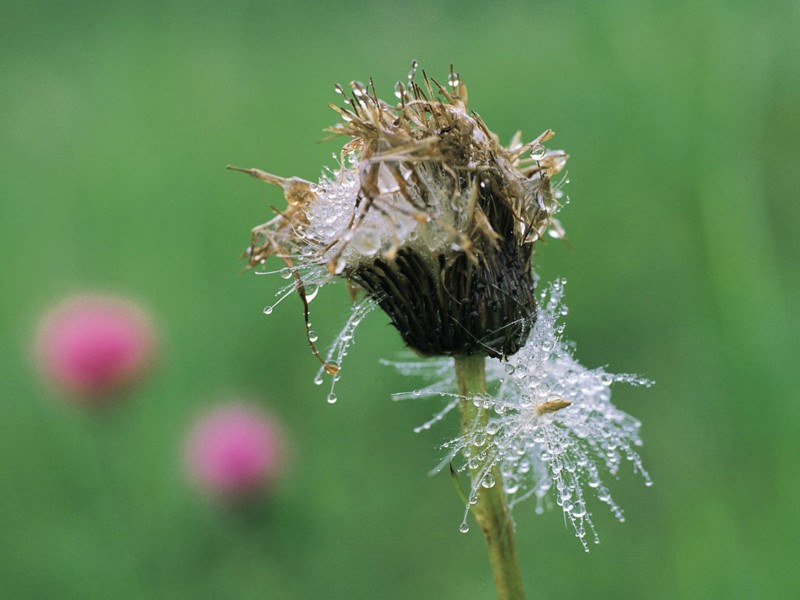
(92, 346)
(235, 451)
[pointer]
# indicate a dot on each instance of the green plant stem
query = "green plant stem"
(491, 512)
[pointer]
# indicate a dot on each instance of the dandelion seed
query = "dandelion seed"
(554, 432)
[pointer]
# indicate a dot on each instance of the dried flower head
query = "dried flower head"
(436, 222)
(427, 213)
(552, 429)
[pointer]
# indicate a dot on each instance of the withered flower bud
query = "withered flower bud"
(428, 214)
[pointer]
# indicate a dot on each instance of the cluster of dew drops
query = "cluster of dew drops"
(540, 453)
(313, 278)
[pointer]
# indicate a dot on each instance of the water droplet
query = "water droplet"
(267, 310)
(332, 398)
(463, 528)
(332, 368)
(318, 380)
(479, 439)
(413, 71)
(311, 292)
(417, 393)
(538, 151)
(339, 89)
(399, 90)
(509, 368)
(286, 272)
(488, 481)
(367, 242)
(358, 88)
(312, 336)
(453, 79)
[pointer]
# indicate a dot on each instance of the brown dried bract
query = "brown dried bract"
(452, 213)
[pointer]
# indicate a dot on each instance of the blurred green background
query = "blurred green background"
(116, 122)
